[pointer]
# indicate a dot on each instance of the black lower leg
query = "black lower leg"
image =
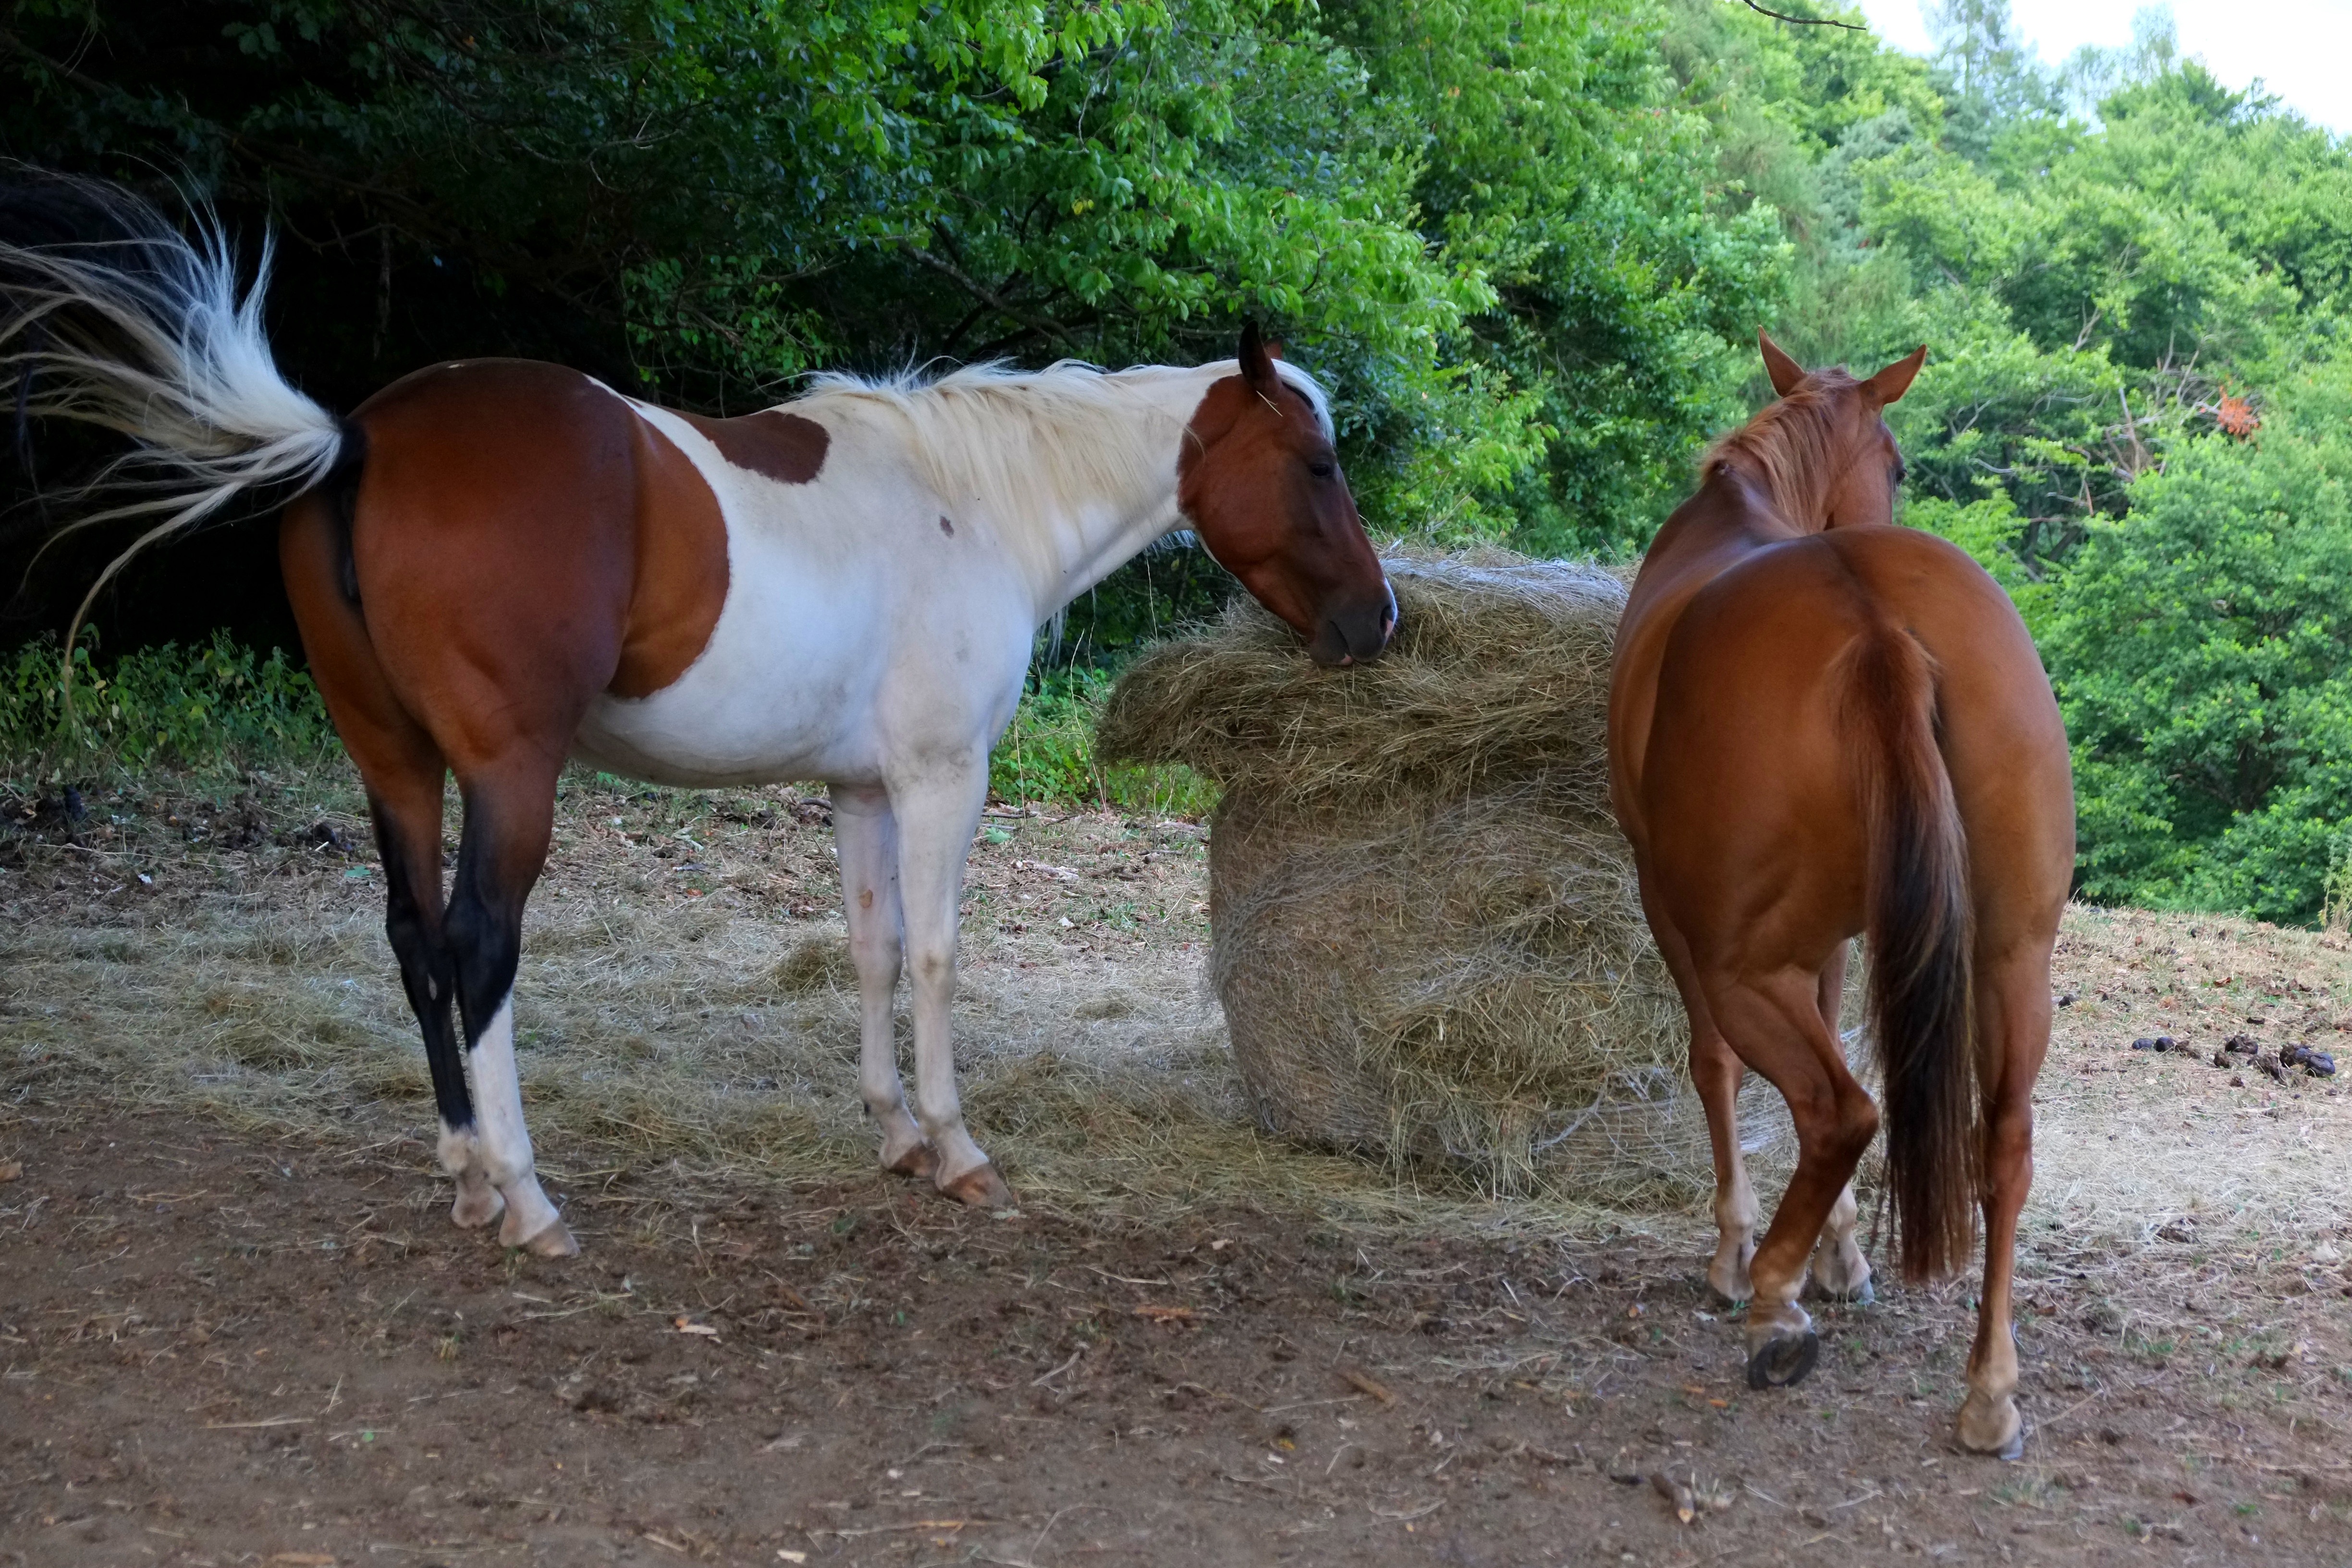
(484, 924)
(427, 971)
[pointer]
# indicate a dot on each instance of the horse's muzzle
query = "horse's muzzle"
(1357, 633)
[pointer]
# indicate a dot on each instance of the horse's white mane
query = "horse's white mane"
(1042, 450)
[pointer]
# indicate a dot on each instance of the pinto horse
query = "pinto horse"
(1822, 725)
(498, 565)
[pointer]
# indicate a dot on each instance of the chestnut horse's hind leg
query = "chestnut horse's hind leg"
(867, 837)
(2013, 1034)
(1840, 1271)
(510, 815)
(1715, 1072)
(1775, 1022)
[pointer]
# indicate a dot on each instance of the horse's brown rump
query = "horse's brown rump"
(1760, 666)
(510, 505)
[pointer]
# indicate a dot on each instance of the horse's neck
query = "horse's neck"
(1732, 514)
(1094, 537)
(1731, 518)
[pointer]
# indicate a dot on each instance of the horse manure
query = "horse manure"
(2318, 1064)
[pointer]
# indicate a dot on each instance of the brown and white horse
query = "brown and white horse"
(1821, 726)
(498, 564)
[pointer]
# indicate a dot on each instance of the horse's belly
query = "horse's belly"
(702, 746)
(781, 692)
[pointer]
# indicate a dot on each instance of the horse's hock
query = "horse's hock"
(1427, 936)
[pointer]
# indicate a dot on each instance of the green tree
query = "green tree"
(2203, 651)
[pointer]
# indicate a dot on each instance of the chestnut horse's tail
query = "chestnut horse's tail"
(1920, 930)
(111, 316)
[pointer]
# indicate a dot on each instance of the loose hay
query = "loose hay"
(1429, 942)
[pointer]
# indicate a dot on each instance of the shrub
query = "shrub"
(1047, 755)
(200, 707)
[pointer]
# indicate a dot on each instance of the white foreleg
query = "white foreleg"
(866, 834)
(937, 815)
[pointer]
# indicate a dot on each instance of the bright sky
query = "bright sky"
(2301, 48)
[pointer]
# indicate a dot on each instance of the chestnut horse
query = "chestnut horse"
(1822, 725)
(497, 564)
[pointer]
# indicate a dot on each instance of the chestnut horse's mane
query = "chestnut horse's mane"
(1789, 445)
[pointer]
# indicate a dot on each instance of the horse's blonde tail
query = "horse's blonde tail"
(143, 330)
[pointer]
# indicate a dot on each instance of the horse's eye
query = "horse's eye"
(1321, 468)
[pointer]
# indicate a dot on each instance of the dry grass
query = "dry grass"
(1499, 676)
(692, 1008)
(685, 997)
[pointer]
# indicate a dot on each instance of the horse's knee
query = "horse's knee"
(1857, 1124)
(931, 966)
(1837, 1124)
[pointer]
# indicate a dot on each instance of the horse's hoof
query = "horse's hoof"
(554, 1240)
(1861, 1295)
(1783, 1360)
(2002, 1437)
(476, 1206)
(922, 1161)
(1723, 1300)
(980, 1188)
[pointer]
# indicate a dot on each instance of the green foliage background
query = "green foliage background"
(1526, 241)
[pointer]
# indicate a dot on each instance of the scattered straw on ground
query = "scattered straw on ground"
(685, 1001)
(685, 995)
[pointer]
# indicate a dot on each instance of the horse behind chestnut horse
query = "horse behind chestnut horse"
(1821, 726)
(497, 564)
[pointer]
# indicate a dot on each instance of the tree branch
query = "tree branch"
(1805, 21)
(988, 297)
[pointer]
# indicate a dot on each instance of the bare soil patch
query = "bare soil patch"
(221, 1348)
(235, 1326)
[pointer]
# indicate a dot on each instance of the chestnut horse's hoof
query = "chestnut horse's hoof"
(980, 1188)
(922, 1161)
(1861, 1295)
(1997, 1431)
(1783, 1360)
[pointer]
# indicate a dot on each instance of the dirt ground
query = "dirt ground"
(237, 1327)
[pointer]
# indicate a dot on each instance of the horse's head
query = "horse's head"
(1862, 468)
(1261, 485)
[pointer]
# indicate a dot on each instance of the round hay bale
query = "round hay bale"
(1427, 935)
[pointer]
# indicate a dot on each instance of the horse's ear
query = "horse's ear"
(1785, 371)
(1257, 357)
(1895, 379)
